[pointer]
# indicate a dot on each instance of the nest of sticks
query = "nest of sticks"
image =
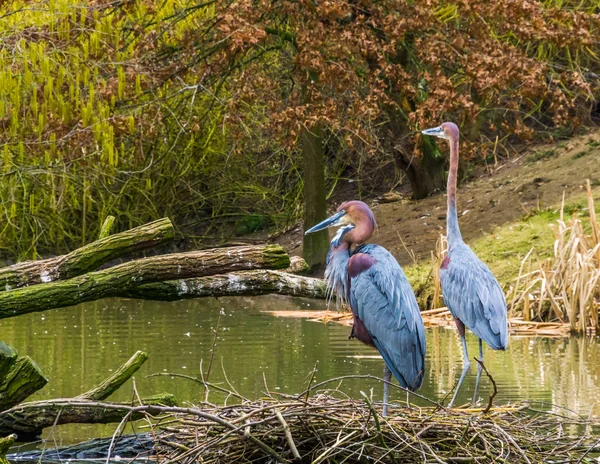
(330, 427)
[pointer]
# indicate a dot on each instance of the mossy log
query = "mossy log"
(257, 282)
(116, 280)
(87, 258)
(28, 420)
(20, 378)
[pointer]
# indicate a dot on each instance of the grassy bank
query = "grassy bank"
(505, 248)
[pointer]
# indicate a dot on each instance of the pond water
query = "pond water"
(79, 346)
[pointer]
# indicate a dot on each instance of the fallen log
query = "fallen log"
(20, 377)
(88, 257)
(28, 420)
(257, 282)
(119, 279)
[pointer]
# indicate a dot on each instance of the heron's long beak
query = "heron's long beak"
(332, 221)
(435, 131)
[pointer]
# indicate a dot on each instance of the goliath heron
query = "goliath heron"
(470, 290)
(386, 314)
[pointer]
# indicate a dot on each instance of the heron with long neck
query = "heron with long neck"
(368, 277)
(470, 290)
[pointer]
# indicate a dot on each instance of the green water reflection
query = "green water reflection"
(77, 347)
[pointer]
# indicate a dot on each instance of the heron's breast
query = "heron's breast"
(359, 263)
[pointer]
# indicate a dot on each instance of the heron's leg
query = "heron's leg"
(479, 371)
(466, 364)
(387, 376)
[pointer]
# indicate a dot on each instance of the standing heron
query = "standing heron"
(386, 314)
(470, 290)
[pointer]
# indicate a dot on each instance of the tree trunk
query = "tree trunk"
(426, 174)
(88, 257)
(6, 443)
(256, 282)
(115, 280)
(315, 246)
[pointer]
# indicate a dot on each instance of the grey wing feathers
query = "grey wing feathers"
(384, 300)
(474, 296)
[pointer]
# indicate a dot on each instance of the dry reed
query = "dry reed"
(566, 287)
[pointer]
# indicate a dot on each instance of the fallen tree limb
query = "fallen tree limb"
(111, 384)
(28, 420)
(87, 258)
(119, 279)
(106, 228)
(257, 282)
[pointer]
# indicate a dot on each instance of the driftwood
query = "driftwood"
(112, 383)
(116, 280)
(256, 282)
(86, 258)
(19, 377)
(28, 420)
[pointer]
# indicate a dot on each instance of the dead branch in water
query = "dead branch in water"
(117, 280)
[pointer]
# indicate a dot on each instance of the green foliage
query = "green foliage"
(143, 109)
(91, 129)
(252, 223)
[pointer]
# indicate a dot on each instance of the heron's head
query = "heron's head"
(355, 222)
(447, 130)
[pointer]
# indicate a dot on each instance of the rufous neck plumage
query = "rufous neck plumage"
(452, 230)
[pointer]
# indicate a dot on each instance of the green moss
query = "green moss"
(276, 256)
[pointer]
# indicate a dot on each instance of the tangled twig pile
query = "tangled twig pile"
(326, 428)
